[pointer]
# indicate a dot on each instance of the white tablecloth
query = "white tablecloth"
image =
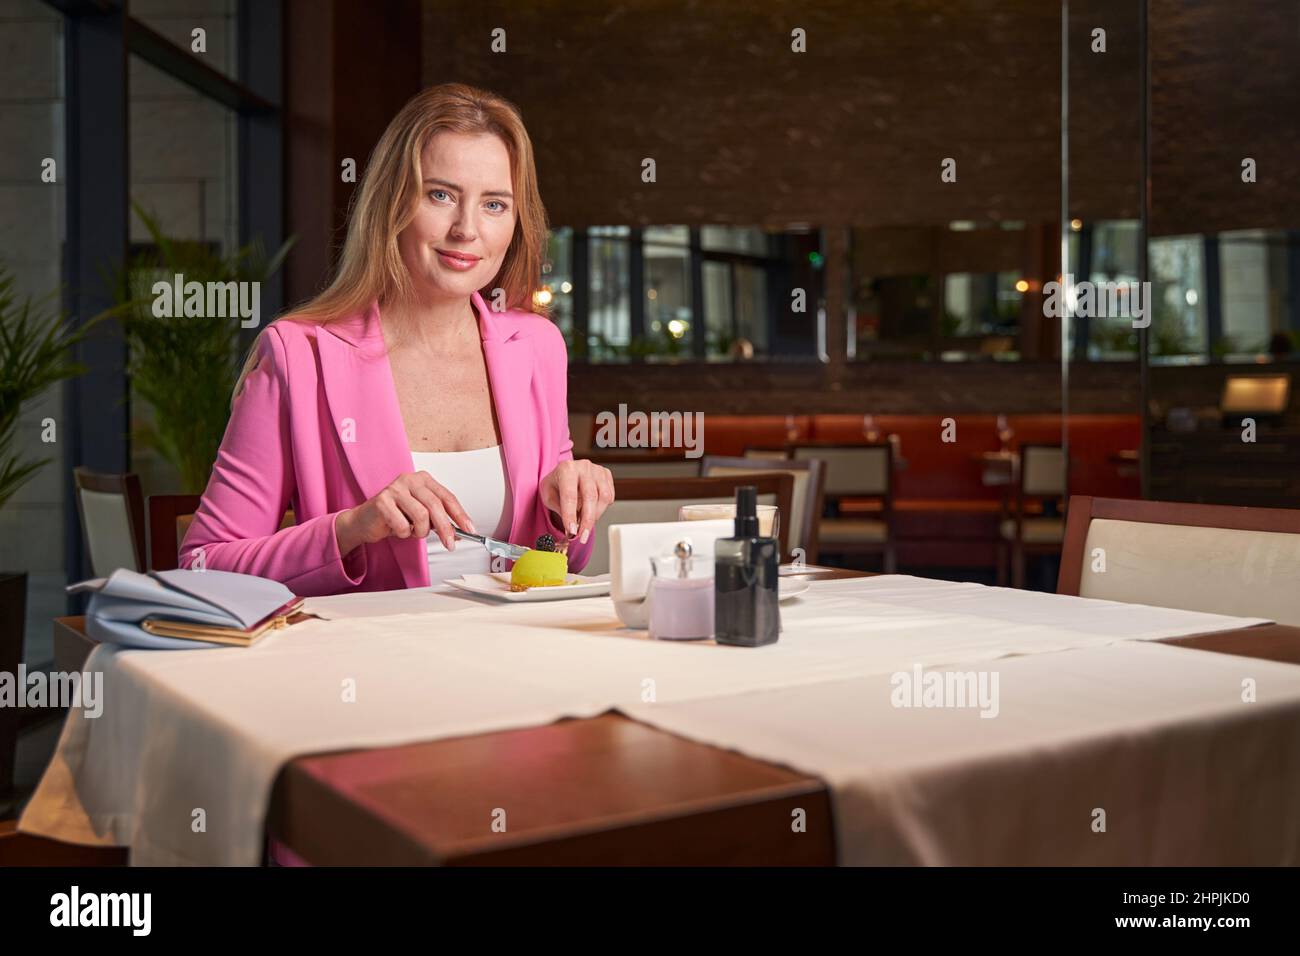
(190, 737)
(1132, 754)
(439, 598)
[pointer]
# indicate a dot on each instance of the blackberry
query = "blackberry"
(544, 543)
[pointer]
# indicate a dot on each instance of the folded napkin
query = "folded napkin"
(631, 546)
(226, 607)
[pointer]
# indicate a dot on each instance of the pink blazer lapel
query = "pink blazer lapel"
(510, 363)
(362, 399)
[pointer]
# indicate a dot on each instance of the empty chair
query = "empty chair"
(857, 471)
(639, 500)
(623, 465)
(111, 509)
(1031, 527)
(805, 508)
(1214, 558)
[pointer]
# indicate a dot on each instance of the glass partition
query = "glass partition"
(1100, 232)
(947, 352)
(1224, 252)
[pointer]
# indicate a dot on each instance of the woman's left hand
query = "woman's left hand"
(579, 492)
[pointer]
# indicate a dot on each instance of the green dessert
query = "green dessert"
(541, 566)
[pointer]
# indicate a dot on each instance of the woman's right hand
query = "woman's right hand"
(411, 506)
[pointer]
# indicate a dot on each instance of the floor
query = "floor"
(35, 748)
(46, 600)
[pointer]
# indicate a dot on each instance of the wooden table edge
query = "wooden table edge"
(600, 840)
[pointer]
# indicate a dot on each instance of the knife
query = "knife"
(503, 549)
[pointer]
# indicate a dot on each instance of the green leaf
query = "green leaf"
(185, 367)
(36, 344)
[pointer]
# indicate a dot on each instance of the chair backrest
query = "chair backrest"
(111, 509)
(805, 507)
(1042, 470)
(169, 519)
(170, 516)
(638, 500)
(866, 470)
(1224, 560)
(668, 468)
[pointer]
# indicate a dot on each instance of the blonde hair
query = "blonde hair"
(371, 267)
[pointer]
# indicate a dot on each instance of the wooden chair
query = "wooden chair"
(856, 471)
(1215, 558)
(654, 499)
(111, 511)
(1028, 528)
(170, 517)
(806, 506)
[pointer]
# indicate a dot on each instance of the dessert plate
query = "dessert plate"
(791, 587)
(498, 586)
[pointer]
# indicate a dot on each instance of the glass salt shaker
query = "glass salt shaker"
(681, 596)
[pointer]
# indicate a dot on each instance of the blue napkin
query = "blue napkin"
(222, 598)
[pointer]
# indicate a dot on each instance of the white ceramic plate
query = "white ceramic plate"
(791, 587)
(498, 586)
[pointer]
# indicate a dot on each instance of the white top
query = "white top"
(478, 480)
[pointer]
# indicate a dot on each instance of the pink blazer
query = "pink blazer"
(317, 428)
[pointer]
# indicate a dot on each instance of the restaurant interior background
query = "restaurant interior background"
(774, 171)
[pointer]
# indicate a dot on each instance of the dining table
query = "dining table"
(606, 788)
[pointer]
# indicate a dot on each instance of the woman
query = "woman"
(419, 390)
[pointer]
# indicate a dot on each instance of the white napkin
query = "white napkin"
(631, 546)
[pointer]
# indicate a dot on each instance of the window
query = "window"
(609, 322)
(1255, 296)
(184, 162)
(1106, 251)
(982, 306)
(668, 316)
(176, 22)
(941, 293)
(675, 292)
(31, 252)
(556, 290)
(1178, 326)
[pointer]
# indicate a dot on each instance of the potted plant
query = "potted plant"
(185, 366)
(36, 341)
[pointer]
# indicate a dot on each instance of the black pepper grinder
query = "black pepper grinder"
(746, 607)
